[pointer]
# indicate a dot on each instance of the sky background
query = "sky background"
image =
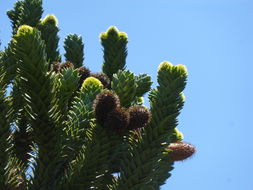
(214, 39)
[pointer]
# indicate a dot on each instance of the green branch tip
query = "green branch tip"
(140, 100)
(50, 19)
(182, 69)
(22, 30)
(169, 67)
(182, 96)
(113, 31)
(165, 65)
(91, 81)
(179, 135)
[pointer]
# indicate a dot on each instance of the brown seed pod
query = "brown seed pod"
(117, 120)
(139, 117)
(104, 103)
(84, 73)
(66, 65)
(103, 79)
(181, 151)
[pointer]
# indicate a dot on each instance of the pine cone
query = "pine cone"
(181, 151)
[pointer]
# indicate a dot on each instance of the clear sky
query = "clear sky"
(214, 39)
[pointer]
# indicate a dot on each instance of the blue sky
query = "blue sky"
(214, 39)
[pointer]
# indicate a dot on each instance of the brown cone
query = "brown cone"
(139, 117)
(117, 120)
(104, 103)
(181, 151)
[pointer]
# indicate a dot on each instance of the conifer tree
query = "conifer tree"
(64, 127)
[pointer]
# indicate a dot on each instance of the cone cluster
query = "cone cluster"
(111, 115)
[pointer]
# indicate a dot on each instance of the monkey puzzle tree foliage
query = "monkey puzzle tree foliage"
(63, 127)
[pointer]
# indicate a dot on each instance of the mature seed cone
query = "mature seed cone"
(56, 66)
(181, 151)
(66, 65)
(139, 117)
(103, 78)
(84, 72)
(104, 103)
(117, 120)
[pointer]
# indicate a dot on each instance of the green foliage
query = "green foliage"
(37, 87)
(124, 84)
(4, 131)
(8, 63)
(27, 12)
(143, 84)
(49, 29)
(66, 86)
(70, 128)
(153, 162)
(115, 51)
(14, 15)
(74, 46)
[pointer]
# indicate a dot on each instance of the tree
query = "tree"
(63, 127)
